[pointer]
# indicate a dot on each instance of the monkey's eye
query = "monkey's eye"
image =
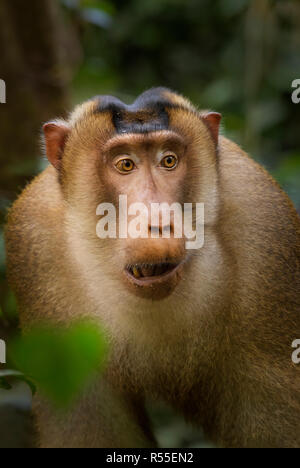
(125, 165)
(170, 161)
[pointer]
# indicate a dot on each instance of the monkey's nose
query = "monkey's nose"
(161, 230)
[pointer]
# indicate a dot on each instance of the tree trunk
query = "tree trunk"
(38, 50)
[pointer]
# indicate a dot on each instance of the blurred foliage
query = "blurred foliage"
(172, 431)
(61, 362)
(238, 57)
(8, 376)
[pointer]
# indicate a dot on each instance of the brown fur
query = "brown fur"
(218, 346)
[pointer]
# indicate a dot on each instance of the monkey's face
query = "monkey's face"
(145, 161)
(149, 172)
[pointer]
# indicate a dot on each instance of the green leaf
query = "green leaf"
(106, 6)
(61, 362)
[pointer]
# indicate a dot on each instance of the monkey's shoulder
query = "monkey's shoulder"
(251, 188)
(259, 221)
(34, 228)
(40, 202)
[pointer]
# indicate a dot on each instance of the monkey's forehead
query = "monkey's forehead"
(148, 113)
(152, 99)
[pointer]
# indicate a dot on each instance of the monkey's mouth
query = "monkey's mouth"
(143, 274)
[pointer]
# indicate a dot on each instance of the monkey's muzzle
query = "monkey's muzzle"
(149, 273)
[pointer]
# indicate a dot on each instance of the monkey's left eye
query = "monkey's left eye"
(125, 165)
(170, 161)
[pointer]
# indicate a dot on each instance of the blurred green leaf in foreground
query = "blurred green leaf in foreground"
(60, 362)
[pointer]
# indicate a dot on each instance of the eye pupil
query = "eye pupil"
(125, 165)
(170, 162)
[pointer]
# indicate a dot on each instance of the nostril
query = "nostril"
(158, 231)
(154, 231)
(166, 230)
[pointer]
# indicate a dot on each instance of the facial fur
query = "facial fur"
(106, 130)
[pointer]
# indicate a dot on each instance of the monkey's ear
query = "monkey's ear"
(56, 134)
(213, 120)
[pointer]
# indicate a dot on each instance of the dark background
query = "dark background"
(238, 57)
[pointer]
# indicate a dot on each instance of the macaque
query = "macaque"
(208, 331)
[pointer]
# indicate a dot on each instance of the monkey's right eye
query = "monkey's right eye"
(125, 165)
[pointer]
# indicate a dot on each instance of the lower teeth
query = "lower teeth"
(136, 272)
(150, 271)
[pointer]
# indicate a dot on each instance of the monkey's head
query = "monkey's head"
(156, 152)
